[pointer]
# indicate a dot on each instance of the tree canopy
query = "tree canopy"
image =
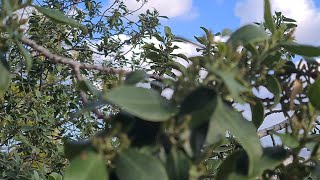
(82, 96)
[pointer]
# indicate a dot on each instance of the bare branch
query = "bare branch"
(267, 131)
(72, 63)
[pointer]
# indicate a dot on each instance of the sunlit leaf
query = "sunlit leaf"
(268, 18)
(131, 164)
(143, 103)
(167, 31)
(247, 34)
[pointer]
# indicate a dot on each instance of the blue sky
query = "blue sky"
(186, 16)
(212, 14)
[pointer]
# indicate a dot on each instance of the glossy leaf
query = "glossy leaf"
(274, 87)
(178, 165)
(87, 166)
(268, 18)
(246, 35)
(61, 18)
(223, 119)
(143, 103)
(131, 164)
(135, 77)
(257, 111)
(304, 50)
(313, 94)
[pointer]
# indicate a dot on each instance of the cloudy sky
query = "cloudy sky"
(186, 16)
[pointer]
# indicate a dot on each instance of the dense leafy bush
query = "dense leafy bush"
(65, 112)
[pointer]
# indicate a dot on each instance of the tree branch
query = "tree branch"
(72, 63)
(267, 131)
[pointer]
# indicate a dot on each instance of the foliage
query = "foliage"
(65, 113)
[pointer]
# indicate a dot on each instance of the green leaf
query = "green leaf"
(55, 176)
(178, 165)
(4, 77)
(154, 56)
(167, 31)
(75, 148)
(226, 32)
(229, 78)
(135, 77)
(268, 18)
(246, 35)
(304, 50)
(7, 7)
(315, 170)
(199, 104)
(223, 119)
(273, 85)
(235, 166)
(143, 103)
(313, 94)
(177, 66)
(272, 157)
(288, 140)
(131, 164)
(61, 18)
(181, 56)
(271, 59)
(288, 19)
(86, 86)
(26, 54)
(208, 34)
(257, 112)
(201, 40)
(86, 167)
(197, 100)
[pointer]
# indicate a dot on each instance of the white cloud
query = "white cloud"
(304, 11)
(170, 8)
